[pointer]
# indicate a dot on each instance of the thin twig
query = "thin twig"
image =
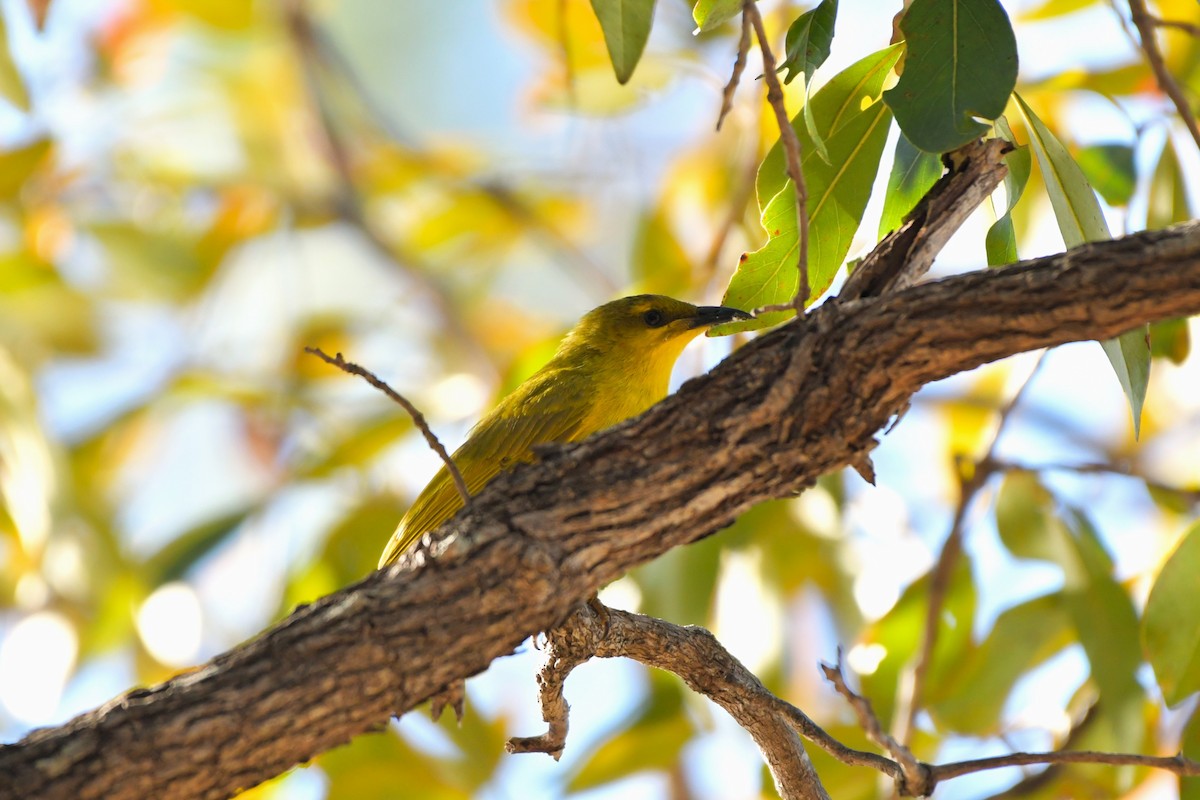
(1177, 24)
(792, 154)
(417, 417)
(1098, 468)
(695, 655)
(939, 583)
(739, 66)
(917, 777)
(1177, 764)
(1145, 25)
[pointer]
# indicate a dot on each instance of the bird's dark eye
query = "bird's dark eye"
(654, 318)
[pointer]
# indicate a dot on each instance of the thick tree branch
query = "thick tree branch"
(800, 401)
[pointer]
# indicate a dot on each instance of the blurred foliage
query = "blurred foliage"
(191, 191)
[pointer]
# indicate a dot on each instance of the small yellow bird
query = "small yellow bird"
(613, 365)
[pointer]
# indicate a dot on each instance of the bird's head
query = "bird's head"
(649, 324)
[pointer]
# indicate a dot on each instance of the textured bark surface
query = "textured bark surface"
(798, 402)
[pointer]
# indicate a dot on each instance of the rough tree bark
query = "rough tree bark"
(798, 402)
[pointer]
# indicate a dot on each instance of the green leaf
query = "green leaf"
(961, 64)
(848, 93)
(1022, 637)
(626, 26)
(855, 126)
(1109, 168)
(1080, 220)
(12, 85)
(914, 172)
(710, 14)
(1001, 239)
(808, 41)
(1168, 199)
(1171, 626)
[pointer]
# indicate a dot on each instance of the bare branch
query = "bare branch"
(791, 152)
(417, 417)
(1145, 25)
(739, 65)
(694, 655)
(1178, 24)
(916, 779)
(540, 540)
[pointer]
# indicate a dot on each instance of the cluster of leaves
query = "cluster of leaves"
(158, 222)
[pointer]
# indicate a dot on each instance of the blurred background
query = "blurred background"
(191, 191)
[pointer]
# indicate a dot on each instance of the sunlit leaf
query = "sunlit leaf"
(626, 26)
(914, 172)
(960, 64)
(854, 126)
(1080, 220)
(711, 13)
(1171, 625)
(1001, 239)
(808, 41)
(1189, 745)
(230, 15)
(1110, 170)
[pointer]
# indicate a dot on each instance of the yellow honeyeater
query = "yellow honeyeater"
(613, 365)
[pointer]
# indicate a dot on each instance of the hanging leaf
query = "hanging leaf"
(1001, 239)
(808, 41)
(1080, 220)
(961, 64)
(914, 172)
(1171, 626)
(626, 26)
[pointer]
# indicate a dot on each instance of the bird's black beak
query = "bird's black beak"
(715, 315)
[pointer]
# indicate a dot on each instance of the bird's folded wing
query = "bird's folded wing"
(539, 412)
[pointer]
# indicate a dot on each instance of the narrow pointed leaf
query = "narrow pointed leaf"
(1001, 239)
(961, 64)
(626, 27)
(1080, 220)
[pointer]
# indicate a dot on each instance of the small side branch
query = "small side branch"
(791, 152)
(739, 66)
(417, 417)
(1145, 25)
